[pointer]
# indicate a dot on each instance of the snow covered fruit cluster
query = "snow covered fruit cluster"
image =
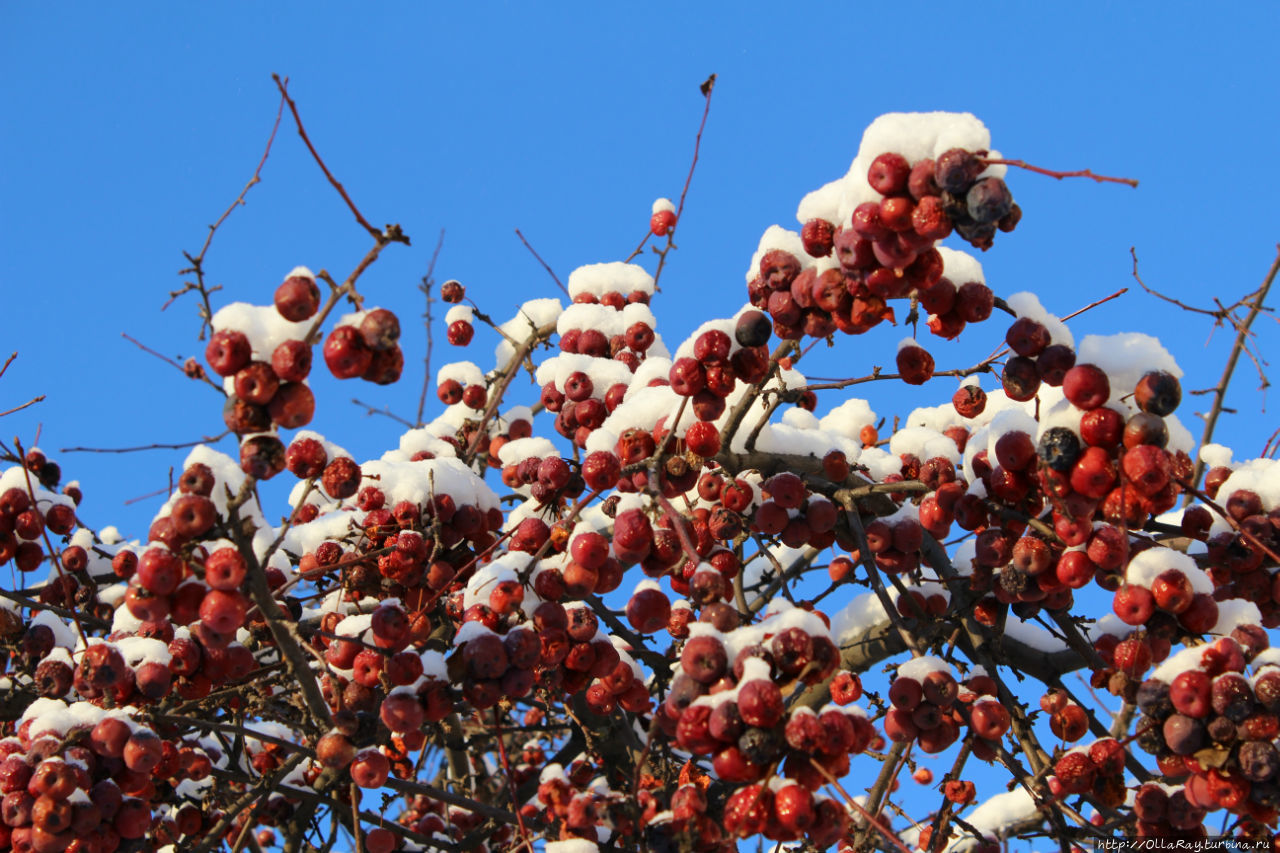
(677, 596)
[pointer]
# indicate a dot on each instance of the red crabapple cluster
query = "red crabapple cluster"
(591, 617)
(264, 355)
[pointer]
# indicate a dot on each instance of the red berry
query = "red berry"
(298, 298)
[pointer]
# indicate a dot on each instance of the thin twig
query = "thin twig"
(208, 439)
(30, 402)
(197, 260)
(385, 411)
(1242, 335)
(706, 88)
(202, 375)
(545, 265)
(391, 235)
(428, 281)
(1082, 173)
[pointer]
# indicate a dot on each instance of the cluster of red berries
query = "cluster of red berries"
(1213, 730)
(432, 817)
(23, 522)
(735, 711)
(928, 707)
(1237, 556)
(91, 786)
(270, 391)
(888, 251)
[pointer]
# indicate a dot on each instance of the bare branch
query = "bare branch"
(1082, 173)
(545, 265)
(428, 281)
(1242, 336)
(392, 233)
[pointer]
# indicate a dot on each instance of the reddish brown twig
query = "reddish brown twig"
(390, 235)
(1121, 292)
(1082, 173)
(872, 821)
(8, 361)
(30, 402)
(545, 265)
(208, 439)
(385, 411)
(706, 88)
(201, 375)
(1271, 446)
(197, 260)
(428, 281)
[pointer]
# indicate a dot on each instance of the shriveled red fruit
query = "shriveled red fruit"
(989, 719)
(1172, 591)
(293, 406)
(459, 333)
(341, 478)
(915, 364)
(1020, 379)
(380, 329)
(760, 703)
(291, 361)
(256, 383)
(1076, 772)
(969, 401)
(818, 236)
(228, 351)
(297, 298)
(704, 659)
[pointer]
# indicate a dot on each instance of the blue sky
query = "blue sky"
(128, 130)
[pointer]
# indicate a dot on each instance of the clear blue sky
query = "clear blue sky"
(128, 129)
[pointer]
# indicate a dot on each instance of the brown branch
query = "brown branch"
(197, 260)
(258, 792)
(1121, 292)
(385, 411)
(201, 375)
(545, 265)
(8, 361)
(1242, 335)
(391, 234)
(1082, 173)
(277, 620)
(706, 88)
(508, 373)
(30, 402)
(428, 281)
(208, 439)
